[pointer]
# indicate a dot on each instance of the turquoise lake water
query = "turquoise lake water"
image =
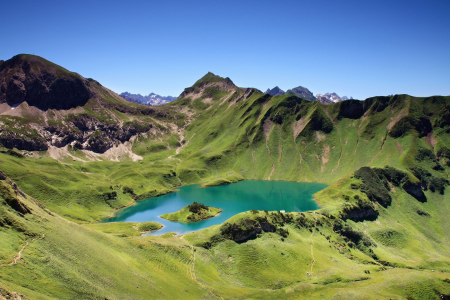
(232, 199)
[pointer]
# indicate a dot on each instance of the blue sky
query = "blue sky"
(353, 48)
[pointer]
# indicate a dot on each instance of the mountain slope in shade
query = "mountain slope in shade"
(40, 83)
(151, 99)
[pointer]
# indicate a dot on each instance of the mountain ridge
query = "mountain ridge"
(59, 108)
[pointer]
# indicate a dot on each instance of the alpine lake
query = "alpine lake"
(231, 198)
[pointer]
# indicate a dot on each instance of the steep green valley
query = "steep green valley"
(383, 231)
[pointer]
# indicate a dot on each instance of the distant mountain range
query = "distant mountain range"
(306, 94)
(150, 99)
(331, 98)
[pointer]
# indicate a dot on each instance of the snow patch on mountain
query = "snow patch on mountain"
(331, 98)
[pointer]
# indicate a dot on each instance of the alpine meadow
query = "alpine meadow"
(73, 153)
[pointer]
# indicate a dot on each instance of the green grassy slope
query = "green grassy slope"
(401, 253)
(371, 240)
(89, 191)
(64, 260)
(288, 138)
(225, 134)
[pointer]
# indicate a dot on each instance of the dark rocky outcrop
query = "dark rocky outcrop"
(12, 140)
(350, 109)
(415, 122)
(374, 185)
(415, 190)
(88, 133)
(361, 212)
(85, 132)
(11, 196)
(246, 229)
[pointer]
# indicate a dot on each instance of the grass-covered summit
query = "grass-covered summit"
(194, 212)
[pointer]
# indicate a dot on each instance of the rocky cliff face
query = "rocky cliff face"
(89, 133)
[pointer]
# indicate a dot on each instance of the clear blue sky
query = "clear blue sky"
(354, 48)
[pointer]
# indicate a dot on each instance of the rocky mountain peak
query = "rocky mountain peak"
(40, 83)
(302, 92)
(276, 91)
(212, 78)
(209, 80)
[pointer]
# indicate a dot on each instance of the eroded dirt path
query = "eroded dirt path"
(181, 130)
(340, 140)
(19, 255)
(267, 126)
(381, 148)
(312, 254)
(191, 270)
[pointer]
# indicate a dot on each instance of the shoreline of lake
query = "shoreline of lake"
(232, 199)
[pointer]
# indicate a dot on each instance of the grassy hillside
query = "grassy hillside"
(225, 134)
(361, 250)
(64, 260)
(400, 254)
(383, 232)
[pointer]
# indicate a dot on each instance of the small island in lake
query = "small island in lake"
(192, 213)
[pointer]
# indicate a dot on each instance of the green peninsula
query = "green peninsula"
(192, 213)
